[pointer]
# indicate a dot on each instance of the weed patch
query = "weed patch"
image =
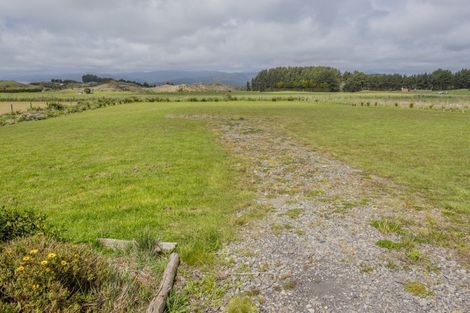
(388, 226)
(241, 305)
(388, 244)
(417, 288)
(294, 213)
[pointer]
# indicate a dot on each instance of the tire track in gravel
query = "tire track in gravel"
(315, 250)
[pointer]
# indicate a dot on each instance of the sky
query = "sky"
(233, 35)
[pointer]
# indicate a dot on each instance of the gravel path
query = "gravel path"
(315, 250)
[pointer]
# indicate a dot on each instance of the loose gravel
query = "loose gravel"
(315, 250)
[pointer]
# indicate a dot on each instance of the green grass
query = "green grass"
(388, 244)
(114, 171)
(128, 172)
(388, 226)
(119, 171)
(13, 86)
(426, 150)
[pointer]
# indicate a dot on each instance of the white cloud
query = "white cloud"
(114, 35)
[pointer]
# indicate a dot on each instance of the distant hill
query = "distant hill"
(214, 87)
(187, 77)
(13, 86)
(153, 77)
(117, 86)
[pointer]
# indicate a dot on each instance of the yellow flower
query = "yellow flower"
(34, 251)
(35, 286)
(26, 258)
(63, 263)
(20, 269)
(44, 263)
(51, 255)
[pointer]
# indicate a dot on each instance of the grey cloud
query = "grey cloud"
(114, 35)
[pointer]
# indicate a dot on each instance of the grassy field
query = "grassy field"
(428, 150)
(119, 170)
(5, 107)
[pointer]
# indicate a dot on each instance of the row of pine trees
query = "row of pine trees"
(322, 78)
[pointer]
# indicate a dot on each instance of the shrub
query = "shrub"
(40, 274)
(56, 106)
(15, 224)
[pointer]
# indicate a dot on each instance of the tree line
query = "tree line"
(322, 78)
(317, 78)
(90, 78)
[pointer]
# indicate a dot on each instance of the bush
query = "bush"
(15, 224)
(39, 274)
(56, 106)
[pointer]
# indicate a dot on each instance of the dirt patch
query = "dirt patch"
(5, 107)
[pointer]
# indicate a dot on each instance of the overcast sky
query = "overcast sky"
(233, 35)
